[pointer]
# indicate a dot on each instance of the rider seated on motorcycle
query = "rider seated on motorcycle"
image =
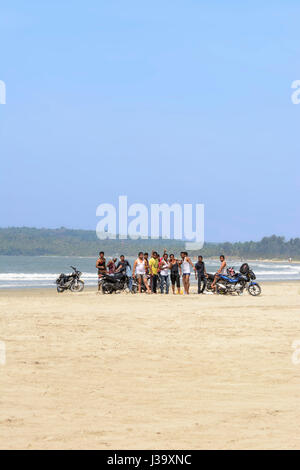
(221, 270)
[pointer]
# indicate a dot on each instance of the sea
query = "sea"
(19, 272)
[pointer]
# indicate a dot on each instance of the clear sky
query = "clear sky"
(164, 101)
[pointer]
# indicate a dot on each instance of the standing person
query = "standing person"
(158, 272)
(200, 273)
(164, 267)
(139, 271)
(101, 266)
(186, 264)
(124, 267)
(146, 263)
(221, 270)
(111, 265)
(153, 268)
(146, 259)
(175, 269)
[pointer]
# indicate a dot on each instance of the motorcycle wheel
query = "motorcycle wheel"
(107, 289)
(60, 289)
(134, 289)
(254, 289)
(77, 287)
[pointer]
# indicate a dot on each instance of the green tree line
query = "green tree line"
(67, 242)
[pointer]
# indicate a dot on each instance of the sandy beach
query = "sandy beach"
(89, 371)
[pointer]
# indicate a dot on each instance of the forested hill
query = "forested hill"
(66, 242)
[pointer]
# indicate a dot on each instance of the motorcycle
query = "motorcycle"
(235, 283)
(70, 282)
(117, 282)
(209, 280)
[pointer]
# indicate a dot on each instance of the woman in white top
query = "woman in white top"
(139, 271)
(164, 267)
(186, 265)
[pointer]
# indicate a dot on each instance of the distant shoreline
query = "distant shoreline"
(37, 289)
(264, 260)
(210, 258)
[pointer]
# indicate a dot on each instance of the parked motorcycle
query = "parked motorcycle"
(117, 282)
(209, 280)
(70, 282)
(235, 283)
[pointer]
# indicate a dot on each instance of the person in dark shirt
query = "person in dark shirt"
(200, 274)
(146, 256)
(122, 265)
(101, 266)
(175, 270)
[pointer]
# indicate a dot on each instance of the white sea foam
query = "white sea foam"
(38, 276)
(279, 273)
(41, 277)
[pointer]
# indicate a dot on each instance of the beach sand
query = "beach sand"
(90, 371)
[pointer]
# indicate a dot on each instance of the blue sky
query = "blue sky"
(174, 101)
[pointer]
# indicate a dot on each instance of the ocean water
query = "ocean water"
(42, 271)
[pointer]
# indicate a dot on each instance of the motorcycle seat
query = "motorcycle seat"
(113, 278)
(119, 276)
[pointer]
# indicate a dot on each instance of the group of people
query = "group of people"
(166, 269)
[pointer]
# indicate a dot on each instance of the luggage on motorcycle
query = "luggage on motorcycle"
(231, 271)
(244, 269)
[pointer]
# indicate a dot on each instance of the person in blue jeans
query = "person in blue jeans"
(124, 267)
(129, 275)
(164, 267)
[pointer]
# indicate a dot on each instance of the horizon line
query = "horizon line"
(142, 238)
